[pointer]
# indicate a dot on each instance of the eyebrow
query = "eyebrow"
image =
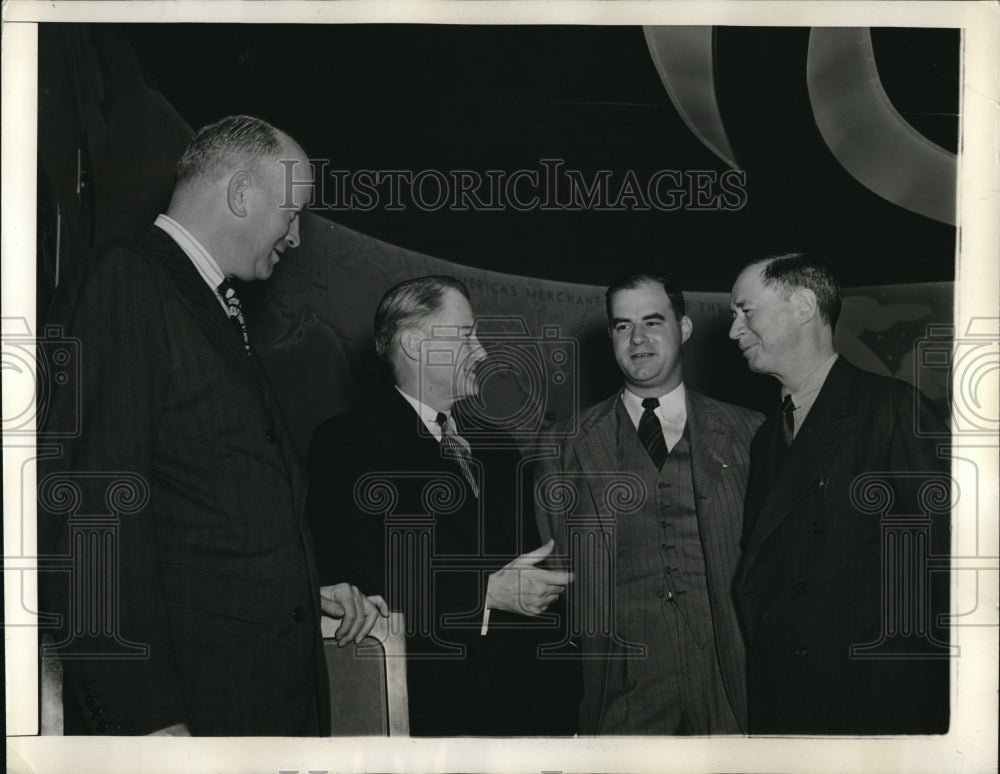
(653, 316)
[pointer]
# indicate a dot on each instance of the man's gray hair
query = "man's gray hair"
(233, 142)
(407, 303)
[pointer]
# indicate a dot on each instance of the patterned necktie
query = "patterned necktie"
(235, 308)
(457, 447)
(651, 433)
(787, 420)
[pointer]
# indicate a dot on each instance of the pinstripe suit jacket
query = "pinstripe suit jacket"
(215, 614)
(720, 436)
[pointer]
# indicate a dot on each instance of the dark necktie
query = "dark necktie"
(787, 420)
(651, 433)
(235, 309)
(457, 447)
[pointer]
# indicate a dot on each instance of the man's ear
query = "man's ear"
(409, 342)
(686, 327)
(805, 304)
(238, 192)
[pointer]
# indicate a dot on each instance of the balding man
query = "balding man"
(210, 616)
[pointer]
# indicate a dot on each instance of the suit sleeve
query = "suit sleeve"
(549, 517)
(124, 370)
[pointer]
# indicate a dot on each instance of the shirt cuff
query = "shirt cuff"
(486, 622)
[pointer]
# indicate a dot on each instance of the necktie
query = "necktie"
(457, 447)
(651, 433)
(235, 309)
(787, 420)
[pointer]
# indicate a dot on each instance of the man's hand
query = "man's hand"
(520, 587)
(358, 612)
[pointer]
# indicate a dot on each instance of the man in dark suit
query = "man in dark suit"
(442, 526)
(657, 474)
(843, 580)
(190, 605)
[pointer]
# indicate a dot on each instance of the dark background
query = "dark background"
(443, 97)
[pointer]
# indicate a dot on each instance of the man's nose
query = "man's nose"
(292, 237)
(637, 335)
(736, 329)
(478, 350)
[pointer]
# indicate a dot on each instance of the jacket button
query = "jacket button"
(270, 436)
(801, 652)
(659, 593)
(801, 587)
(298, 614)
(819, 527)
(663, 523)
(90, 700)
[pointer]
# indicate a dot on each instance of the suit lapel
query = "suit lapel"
(706, 433)
(596, 452)
(202, 303)
(829, 425)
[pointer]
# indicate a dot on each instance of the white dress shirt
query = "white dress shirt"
(806, 393)
(672, 412)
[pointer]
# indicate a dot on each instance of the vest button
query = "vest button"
(659, 593)
(801, 587)
(663, 485)
(818, 527)
(663, 523)
(270, 436)
(801, 652)
(298, 613)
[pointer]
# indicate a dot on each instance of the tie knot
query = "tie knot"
(650, 403)
(442, 419)
(787, 405)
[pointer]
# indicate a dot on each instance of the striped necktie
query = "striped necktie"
(651, 433)
(235, 309)
(457, 447)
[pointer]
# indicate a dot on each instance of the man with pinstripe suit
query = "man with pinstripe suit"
(211, 617)
(657, 474)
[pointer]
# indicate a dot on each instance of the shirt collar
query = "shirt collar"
(203, 261)
(427, 415)
(805, 394)
(672, 408)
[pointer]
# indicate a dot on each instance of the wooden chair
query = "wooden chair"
(367, 683)
(368, 694)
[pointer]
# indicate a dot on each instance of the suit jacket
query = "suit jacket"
(380, 487)
(821, 558)
(720, 436)
(213, 618)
